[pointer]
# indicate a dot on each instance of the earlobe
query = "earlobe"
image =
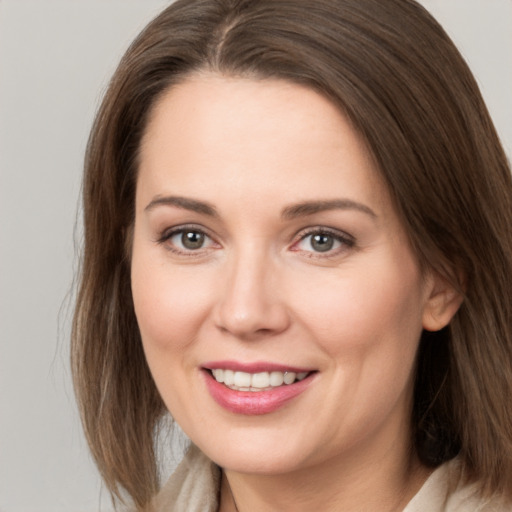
(442, 304)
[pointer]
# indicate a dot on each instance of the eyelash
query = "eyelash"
(345, 241)
(168, 234)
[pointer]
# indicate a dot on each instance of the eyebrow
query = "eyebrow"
(311, 207)
(183, 202)
(290, 212)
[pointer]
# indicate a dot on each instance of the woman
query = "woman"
(298, 242)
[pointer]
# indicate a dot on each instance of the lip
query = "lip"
(255, 367)
(255, 403)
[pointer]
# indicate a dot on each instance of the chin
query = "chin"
(256, 455)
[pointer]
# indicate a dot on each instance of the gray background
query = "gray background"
(55, 61)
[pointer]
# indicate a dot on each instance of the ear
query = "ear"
(442, 303)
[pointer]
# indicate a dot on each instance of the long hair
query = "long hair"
(393, 71)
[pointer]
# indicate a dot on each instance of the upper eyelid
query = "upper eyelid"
(322, 229)
(168, 232)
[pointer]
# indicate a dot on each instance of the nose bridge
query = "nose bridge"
(250, 305)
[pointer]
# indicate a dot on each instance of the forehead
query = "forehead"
(211, 131)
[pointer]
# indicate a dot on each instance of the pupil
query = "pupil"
(322, 243)
(192, 240)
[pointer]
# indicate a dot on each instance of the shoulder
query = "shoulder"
(446, 491)
(193, 487)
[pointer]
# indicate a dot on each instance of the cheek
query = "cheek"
(368, 324)
(375, 307)
(170, 303)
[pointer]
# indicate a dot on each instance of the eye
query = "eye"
(324, 241)
(190, 240)
(321, 242)
(186, 240)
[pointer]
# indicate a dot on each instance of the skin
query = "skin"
(258, 290)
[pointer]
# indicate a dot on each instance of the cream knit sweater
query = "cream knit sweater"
(194, 487)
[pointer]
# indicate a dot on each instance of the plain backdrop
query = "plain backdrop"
(55, 60)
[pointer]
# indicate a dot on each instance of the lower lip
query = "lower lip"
(252, 403)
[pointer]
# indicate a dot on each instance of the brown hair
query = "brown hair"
(395, 73)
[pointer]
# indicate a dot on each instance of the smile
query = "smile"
(255, 389)
(254, 382)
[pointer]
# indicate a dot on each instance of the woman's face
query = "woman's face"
(267, 252)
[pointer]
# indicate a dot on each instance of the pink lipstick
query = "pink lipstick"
(254, 388)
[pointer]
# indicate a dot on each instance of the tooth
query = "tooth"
(260, 380)
(242, 380)
(229, 377)
(276, 378)
(219, 375)
(289, 377)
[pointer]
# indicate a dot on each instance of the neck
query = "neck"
(375, 483)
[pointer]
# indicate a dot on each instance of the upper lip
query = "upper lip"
(253, 367)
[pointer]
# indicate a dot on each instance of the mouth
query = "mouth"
(254, 389)
(256, 382)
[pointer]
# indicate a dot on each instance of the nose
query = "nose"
(251, 304)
